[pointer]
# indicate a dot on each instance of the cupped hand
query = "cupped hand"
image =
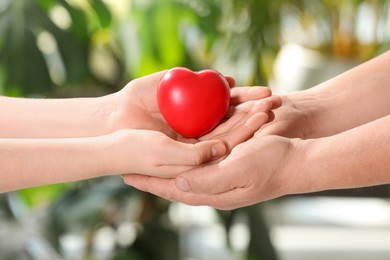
(289, 120)
(154, 153)
(254, 171)
(157, 154)
(136, 104)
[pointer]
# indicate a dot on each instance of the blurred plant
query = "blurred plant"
(343, 29)
(46, 45)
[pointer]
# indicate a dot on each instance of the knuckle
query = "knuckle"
(197, 157)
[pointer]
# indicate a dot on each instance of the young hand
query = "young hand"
(135, 106)
(154, 153)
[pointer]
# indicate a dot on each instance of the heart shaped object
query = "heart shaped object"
(193, 103)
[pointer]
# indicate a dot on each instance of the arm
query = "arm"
(32, 162)
(272, 166)
(135, 106)
(55, 118)
(353, 98)
(355, 158)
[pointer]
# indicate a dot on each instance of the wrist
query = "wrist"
(313, 167)
(115, 155)
(299, 173)
(96, 153)
(112, 114)
(106, 154)
(309, 106)
(121, 109)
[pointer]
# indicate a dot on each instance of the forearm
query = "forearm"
(55, 118)
(355, 97)
(355, 158)
(32, 162)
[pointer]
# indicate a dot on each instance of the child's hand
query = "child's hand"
(135, 106)
(153, 153)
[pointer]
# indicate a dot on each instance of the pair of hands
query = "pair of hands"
(290, 153)
(161, 152)
(253, 171)
(192, 171)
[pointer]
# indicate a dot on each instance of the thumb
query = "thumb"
(209, 180)
(195, 154)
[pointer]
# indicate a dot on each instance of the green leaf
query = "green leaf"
(166, 23)
(102, 13)
(33, 197)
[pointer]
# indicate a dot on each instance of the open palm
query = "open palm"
(138, 108)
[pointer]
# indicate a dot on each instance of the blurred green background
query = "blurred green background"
(69, 48)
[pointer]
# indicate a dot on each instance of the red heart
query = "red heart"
(193, 103)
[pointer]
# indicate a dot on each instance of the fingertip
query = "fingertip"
(231, 81)
(132, 180)
(276, 101)
(263, 105)
(271, 116)
(260, 92)
(218, 149)
(244, 94)
(182, 184)
(208, 150)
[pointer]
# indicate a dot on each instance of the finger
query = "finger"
(243, 132)
(243, 94)
(232, 199)
(177, 153)
(167, 189)
(262, 105)
(154, 78)
(231, 81)
(155, 185)
(271, 116)
(239, 116)
(164, 188)
(243, 107)
(276, 101)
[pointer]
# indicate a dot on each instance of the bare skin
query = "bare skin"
(335, 135)
(45, 141)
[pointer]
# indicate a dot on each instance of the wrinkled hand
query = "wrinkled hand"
(289, 120)
(254, 171)
(241, 123)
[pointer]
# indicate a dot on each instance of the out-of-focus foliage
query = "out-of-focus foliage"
(64, 48)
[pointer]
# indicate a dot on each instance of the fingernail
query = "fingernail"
(218, 150)
(182, 184)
